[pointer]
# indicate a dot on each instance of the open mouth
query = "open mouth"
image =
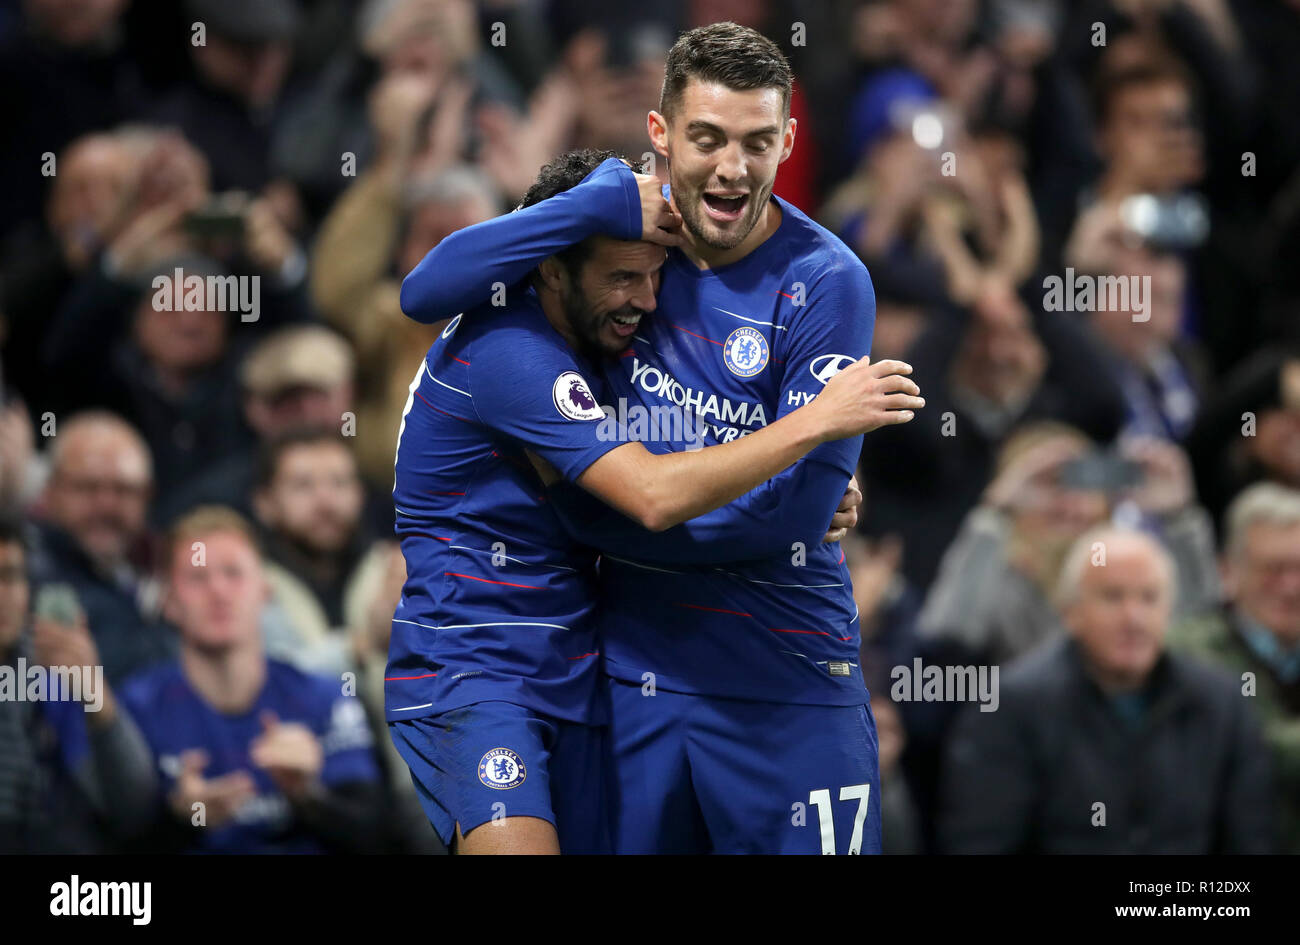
(625, 325)
(725, 207)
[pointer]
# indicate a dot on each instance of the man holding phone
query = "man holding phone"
(993, 590)
(73, 773)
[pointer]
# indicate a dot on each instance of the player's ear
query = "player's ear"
(657, 128)
(787, 142)
(553, 274)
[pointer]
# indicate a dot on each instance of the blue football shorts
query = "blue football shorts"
(701, 774)
(488, 761)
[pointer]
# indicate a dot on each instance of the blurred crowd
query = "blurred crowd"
(969, 151)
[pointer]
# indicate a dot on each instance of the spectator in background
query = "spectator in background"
(1105, 742)
(1250, 431)
(432, 48)
(22, 470)
(168, 222)
(299, 375)
(101, 477)
(987, 371)
(70, 770)
(230, 108)
(73, 55)
(376, 234)
(322, 563)
(935, 227)
(887, 605)
(106, 183)
(993, 593)
(1148, 139)
(280, 760)
(1256, 634)
(900, 826)
(173, 374)
(1138, 223)
(1162, 374)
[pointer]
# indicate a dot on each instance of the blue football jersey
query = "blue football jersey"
(741, 346)
(498, 598)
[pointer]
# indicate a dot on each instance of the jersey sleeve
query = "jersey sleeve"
(830, 331)
(462, 269)
(536, 392)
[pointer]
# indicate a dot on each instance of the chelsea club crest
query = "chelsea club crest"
(745, 352)
(501, 768)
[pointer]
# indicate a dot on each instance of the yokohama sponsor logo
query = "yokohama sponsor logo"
(721, 410)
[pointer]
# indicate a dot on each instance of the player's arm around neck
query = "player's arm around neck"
(663, 490)
(462, 270)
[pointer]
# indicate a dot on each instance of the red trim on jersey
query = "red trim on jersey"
(394, 678)
(531, 587)
(427, 535)
(715, 610)
(440, 410)
(822, 633)
(689, 332)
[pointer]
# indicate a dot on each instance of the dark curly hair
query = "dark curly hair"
(567, 171)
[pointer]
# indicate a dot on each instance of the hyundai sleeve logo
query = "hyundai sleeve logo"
(828, 365)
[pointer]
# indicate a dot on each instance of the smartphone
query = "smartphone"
(1170, 224)
(221, 218)
(1104, 472)
(59, 603)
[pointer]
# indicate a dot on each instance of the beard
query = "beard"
(705, 230)
(585, 323)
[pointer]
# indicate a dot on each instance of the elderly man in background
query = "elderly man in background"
(1105, 742)
(95, 502)
(1256, 634)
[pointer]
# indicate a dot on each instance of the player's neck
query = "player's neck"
(229, 680)
(707, 257)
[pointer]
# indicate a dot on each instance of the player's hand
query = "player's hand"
(290, 753)
(846, 516)
(221, 797)
(864, 397)
(660, 223)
